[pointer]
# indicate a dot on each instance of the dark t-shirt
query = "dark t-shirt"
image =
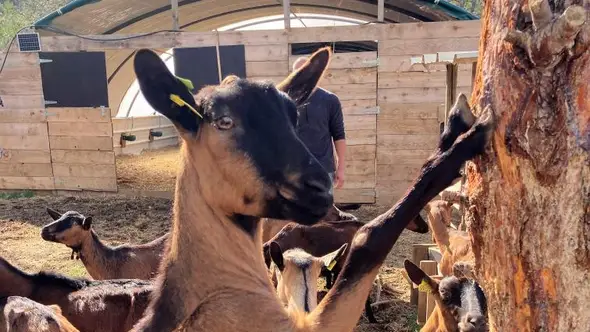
(320, 122)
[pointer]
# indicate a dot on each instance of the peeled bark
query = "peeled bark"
(529, 209)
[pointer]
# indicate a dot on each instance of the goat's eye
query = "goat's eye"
(224, 123)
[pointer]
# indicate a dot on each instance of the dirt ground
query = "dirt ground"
(128, 219)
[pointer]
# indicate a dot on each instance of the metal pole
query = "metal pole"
(287, 14)
(381, 10)
(174, 9)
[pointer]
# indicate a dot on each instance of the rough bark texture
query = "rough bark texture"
(529, 212)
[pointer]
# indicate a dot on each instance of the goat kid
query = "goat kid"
(19, 314)
(102, 261)
(461, 305)
(454, 245)
(241, 160)
(91, 306)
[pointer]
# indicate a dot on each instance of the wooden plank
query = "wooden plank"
(434, 254)
(142, 135)
(77, 129)
(23, 129)
(18, 87)
(390, 194)
(22, 115)
(360, 167)
(22, 102)
(279, 52)
(361, 152)
(20, 74)
(83, 157)
(334, 33)
(430, 268)
(259, 37)
(366, 195)
(412, 95)
(24, 142)
(359, 181)
(408, 111)
(389, 125)
(390, 80)
(85, 183)
(361, 137)
(353, 91)
(386, 156)
(20, 59)
(421, 30)
(84, 170)
(104, 143)
(267, 68)
(358, 107)
(37, 183)
(79, 115)
(138, 148)
(25, 169)
(24, 156)
(426, 45)
(394, 172)
(347, 60)
(360, 122)
(407, 142)
(349, 76)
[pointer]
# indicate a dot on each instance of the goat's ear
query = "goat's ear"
(332, 258)
(158, 84)
(420, 278)
(302, 82)
(276, 254)
(53, 214)
(87, 223)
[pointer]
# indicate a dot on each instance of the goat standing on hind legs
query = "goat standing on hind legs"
(242, 160)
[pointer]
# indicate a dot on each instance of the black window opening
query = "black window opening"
(199, 64)
(337, 47)
(74, 79)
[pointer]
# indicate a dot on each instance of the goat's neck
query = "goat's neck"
(208, 255)
(94, 254)
(437, 322)
(15, 283)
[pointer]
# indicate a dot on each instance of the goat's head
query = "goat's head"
(70, 228)
(23, 314)
(239, 138)
(461, 301)
(297, 273)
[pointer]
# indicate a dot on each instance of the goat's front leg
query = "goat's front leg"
(343, 305)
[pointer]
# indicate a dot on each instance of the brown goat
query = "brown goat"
(461, 305)
(455, 246)
(102, 261)
(91, 306)
(241, 160)
(24, 315)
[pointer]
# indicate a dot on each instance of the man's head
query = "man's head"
(299, 63)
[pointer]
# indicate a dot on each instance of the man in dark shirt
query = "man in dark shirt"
(321, 128)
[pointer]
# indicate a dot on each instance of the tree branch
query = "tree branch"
(551, 37)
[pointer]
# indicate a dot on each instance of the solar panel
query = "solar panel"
(28, 42)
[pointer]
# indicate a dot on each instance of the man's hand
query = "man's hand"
(339, 178)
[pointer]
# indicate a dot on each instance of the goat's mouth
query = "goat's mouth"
(305, 209)
(48, 236)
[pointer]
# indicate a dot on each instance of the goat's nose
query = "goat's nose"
(475, 320)
(316, 184)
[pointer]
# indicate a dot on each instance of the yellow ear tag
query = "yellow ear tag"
(424, 287)
(332, 264)
(178, 101)
(188, 83)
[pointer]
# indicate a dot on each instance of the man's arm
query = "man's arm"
(339, 138)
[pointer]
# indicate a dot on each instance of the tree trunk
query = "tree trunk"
(529, 213)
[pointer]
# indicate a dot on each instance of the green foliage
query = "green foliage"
(17, 194)
(17, 14)
(472, 6)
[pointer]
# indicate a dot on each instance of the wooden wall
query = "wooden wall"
(392, 110)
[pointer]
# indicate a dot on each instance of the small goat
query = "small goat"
(454, 245)
(461, 305)
(297, 273)
(102, 261)
(25, 315)
(91, 306)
